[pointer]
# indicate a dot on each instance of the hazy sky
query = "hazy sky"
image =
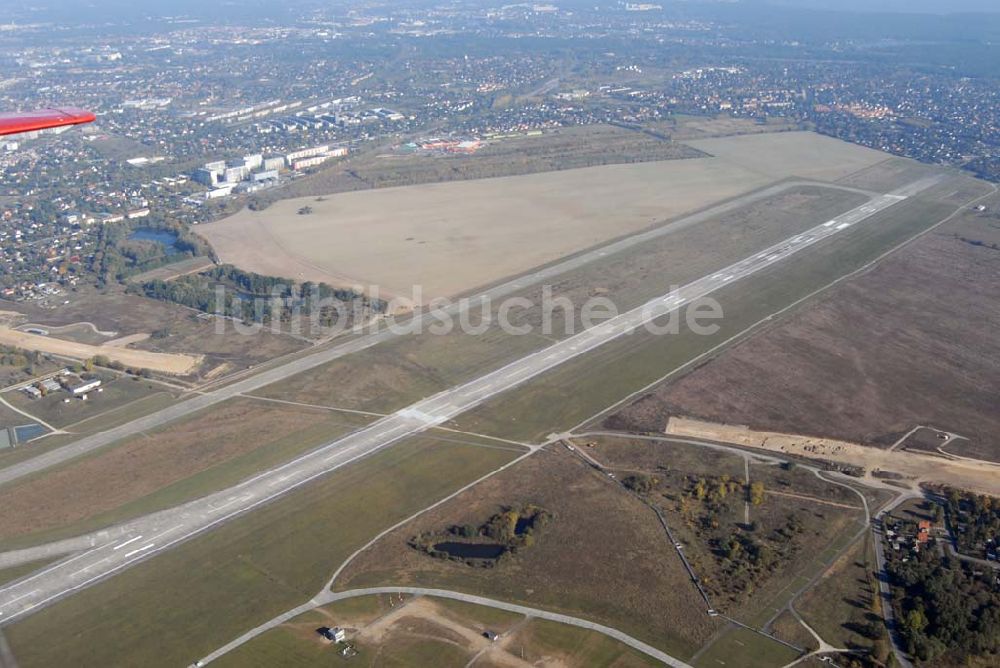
(934, 6)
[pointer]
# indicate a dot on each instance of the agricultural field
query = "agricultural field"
(904, 326)
(251, 569)
(449, 238)
(685, 128)
(159, 469)
(602, 555)
(785, 155)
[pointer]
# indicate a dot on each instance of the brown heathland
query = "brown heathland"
(911, 342)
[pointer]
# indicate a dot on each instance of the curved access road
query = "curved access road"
(332, 597)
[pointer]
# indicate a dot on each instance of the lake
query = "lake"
(163, 237)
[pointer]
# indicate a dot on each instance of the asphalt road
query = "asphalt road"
(144, 537)
(364, 341)
(885, 590)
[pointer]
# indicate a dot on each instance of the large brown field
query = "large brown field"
(393, 374)
(451, 237)
(910, 342)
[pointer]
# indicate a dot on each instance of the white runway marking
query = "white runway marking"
(129, 541)
(141, 549)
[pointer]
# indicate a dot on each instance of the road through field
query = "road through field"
(329, 597)
(367, 340)
(160, 531)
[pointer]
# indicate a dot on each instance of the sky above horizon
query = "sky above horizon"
(921, 6)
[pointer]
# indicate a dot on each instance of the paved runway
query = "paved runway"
(364, 341)
(155, 533)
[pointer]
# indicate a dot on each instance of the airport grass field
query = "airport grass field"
(161, 469)
(581, 389)
(401, 371)
(603, 555)
(449, 238)
(249, 570)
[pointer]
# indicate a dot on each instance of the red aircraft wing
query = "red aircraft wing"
(40, 120)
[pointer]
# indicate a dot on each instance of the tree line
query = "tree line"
(252, 297)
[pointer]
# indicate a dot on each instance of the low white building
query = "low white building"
(86, 387)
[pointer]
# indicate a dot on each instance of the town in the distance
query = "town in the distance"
(557, 334)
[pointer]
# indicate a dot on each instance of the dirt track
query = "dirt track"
(174, 364)
(982, 477)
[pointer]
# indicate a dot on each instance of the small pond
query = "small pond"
(471, 550)
(165, 238)
(29, 432)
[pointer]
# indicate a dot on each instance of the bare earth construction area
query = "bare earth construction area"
(175, 364)
(452, 237)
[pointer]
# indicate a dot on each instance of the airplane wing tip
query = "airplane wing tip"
(43, 119)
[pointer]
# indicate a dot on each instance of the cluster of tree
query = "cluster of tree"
(255, 285)
(194, 292)
(511, 529)
(250, 297)
(14, 359)
(106, 362)
(516, 527)
(746, 558)
(719, 489)
(640, 483)
(714, 489)
(975, 520)
(745, 550)
(23, 359)
(945, 608)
